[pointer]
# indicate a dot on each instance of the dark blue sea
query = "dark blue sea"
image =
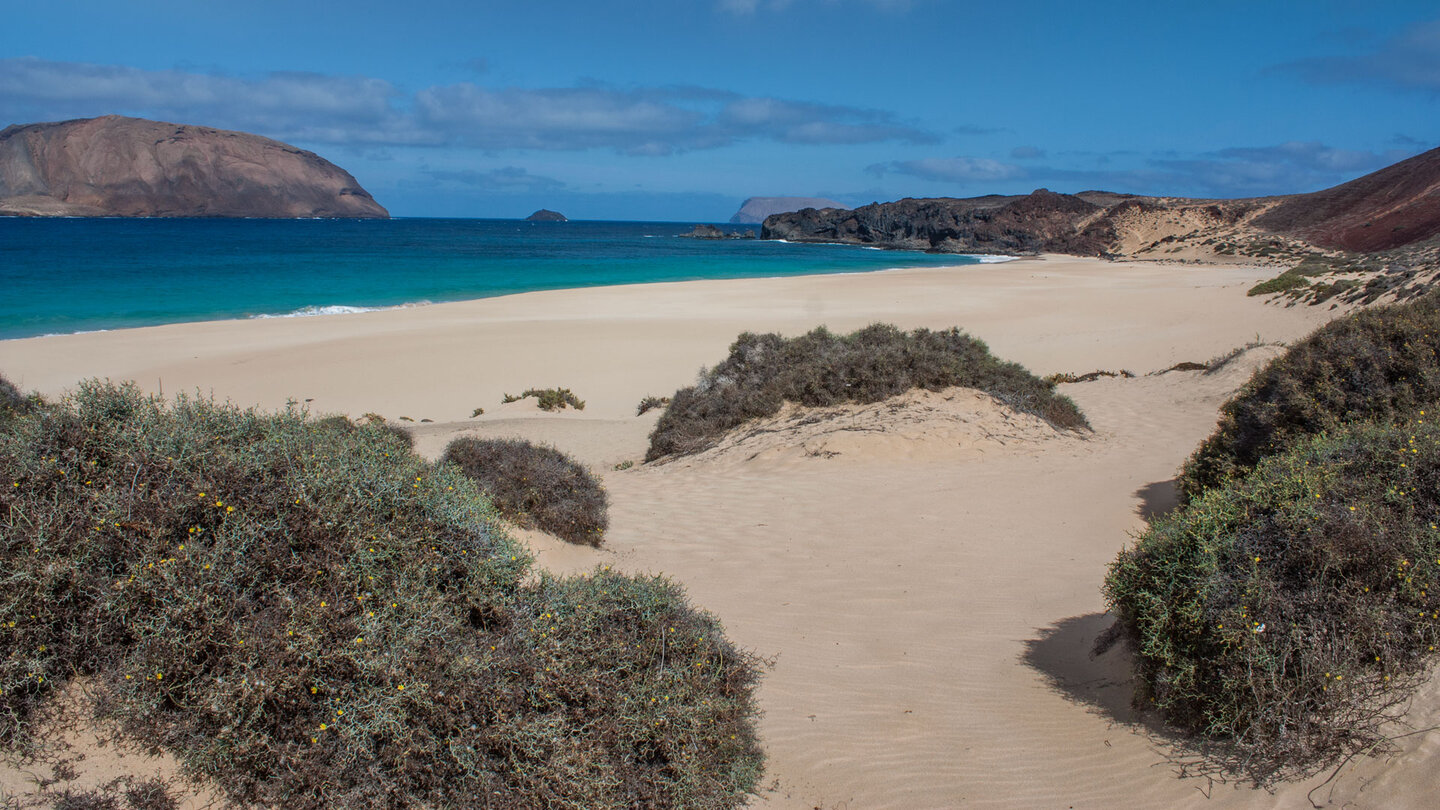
(73, 275)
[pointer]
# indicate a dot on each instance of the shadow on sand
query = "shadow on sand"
(1065, 654)
(1082, 659)
(1157, 500)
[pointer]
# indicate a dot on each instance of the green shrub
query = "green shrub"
(1291, 612)
(373, 422)
(549, 399)
(1377, 364)
(308, 617)
(1324, 292)
(821, 368)
(1287, 280)
(1298, 276)
(537, 487)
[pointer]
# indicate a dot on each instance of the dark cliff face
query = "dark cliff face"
(1041, 221)
(132, 167)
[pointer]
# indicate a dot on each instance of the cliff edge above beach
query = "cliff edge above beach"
(114, 166)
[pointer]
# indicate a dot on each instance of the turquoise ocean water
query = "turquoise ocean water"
(72, 275)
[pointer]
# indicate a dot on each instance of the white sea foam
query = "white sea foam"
(334, 309)
(984, 258)
(63, 334)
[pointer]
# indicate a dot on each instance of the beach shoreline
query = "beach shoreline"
(443, 360)
(929, 597)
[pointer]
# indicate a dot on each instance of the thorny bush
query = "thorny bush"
(309, 618)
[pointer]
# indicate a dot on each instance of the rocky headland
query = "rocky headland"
(1392, 208)
(114, 166)
(1375, 234)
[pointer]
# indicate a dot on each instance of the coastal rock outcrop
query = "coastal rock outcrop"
(1041, 221)
(754, 210)
(114, 166)
(712, 232)
(546, 215)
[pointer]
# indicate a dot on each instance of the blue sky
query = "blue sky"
(680, 109)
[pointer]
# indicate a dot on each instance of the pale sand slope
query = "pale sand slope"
(930, 592)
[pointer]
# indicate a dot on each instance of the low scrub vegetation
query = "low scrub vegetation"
(1066, 377)
(342, 424)
(11, 400)
(549, 399)
(821, 368)
(1290, 612)
(1379, 364)
(313, 617)
(538, 487)
(650, 403)
(1288, 280)
(1299, 276)
(121, 793)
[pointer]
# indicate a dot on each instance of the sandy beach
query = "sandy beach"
(925, 576)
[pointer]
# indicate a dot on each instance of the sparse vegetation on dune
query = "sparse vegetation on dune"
(536, 486)
(821, 368)
(1291, 612)
(1403, 273)
(309, 616)
(549, 399)
(120, 793)
(1294, 278)
(651, 403)
(1377, 364)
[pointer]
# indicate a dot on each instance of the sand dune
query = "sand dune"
(956, 423)
(925, 572)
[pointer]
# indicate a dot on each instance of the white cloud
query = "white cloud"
(505, 179)
(1240, 171)
(356, 110)
(1409, 61)
(952, 170)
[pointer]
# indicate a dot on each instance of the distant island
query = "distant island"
(546, 215)
(756, 209)
(115, 166)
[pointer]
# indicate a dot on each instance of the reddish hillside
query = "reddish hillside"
(131, 167)
(1395, 206)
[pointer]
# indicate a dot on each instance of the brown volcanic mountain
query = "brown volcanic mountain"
(131, 167)
(1393, 207)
